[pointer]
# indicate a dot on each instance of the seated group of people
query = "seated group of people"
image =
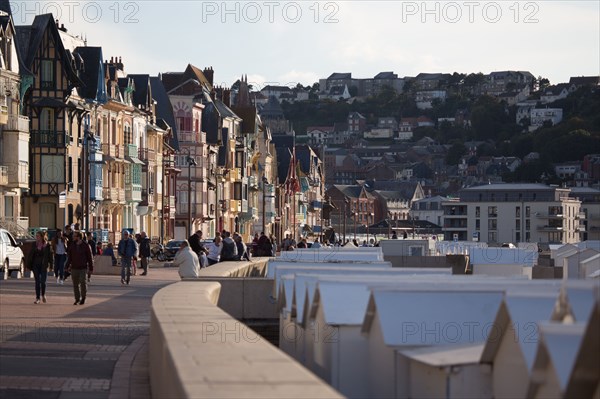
(194, 254)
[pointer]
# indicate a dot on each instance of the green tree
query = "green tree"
(455, 153)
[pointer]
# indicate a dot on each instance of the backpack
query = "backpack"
(229, 250)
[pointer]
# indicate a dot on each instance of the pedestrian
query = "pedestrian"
(394, 235)
(264, 246)
(144, 244)
(80, 263)
(195, 242)
(136, 241)
(214, 251)
(242, 250)
(110, 251)
(187, 261)
(39, 260)
(99, 248)
(91, 242)
(126, 250)
(59, 249)
(316, 244)
(68, 233)
(302, 244)
(229, 251)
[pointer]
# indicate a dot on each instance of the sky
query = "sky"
(290, 42)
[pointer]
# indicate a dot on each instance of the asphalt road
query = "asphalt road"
(95, 350)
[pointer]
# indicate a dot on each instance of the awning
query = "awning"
(135, 160)
(47, 102)
(107, 158)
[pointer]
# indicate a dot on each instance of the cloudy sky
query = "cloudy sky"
(286, 42)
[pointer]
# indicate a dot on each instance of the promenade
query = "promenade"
(92, 351)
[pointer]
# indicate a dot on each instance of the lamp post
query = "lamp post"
(265, 181)
(191, 162)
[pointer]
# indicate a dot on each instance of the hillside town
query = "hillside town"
(85, 141)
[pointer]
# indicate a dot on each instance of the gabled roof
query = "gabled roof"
(224, 110)
(164, 109)
(272, 109)
(520, 311)
(386, 75)
(92, 74)
(29, 39)
(142, 93)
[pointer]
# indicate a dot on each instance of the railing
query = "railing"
(580, 215)
(109, 149)
(147, 154)
(121, 194)
(3, 175)
(18, 122)
(48, 138)
(235, 205)
(148, 196)
(581, 228)
(119, 151)
(18, 174)
(544, 215)
(549, 228)
(188, 137)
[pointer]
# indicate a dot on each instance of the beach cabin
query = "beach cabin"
(510, 350)
(398, 320)
(573, 264)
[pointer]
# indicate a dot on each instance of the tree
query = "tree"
(455, 153)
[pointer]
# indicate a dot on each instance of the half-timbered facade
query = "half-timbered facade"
(56, 113)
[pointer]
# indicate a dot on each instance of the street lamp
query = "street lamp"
(265, 181)
(191, 162)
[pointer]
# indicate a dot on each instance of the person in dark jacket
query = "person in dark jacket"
(144, 245)
(126, 250)
(38, 261)
(91, 242)
(79, 263)
(59, 245)
(242, 250)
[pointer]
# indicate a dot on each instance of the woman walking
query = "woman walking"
(38, 261)
(59, 248)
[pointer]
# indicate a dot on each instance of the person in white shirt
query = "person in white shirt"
(214, 251)
(187, 261)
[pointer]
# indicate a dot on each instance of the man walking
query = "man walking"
(144, 251)
(126, 250)
(79, 263)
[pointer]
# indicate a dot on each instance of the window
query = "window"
(518, 236)
(492, 224)
(527, 211)
(492, 236)
(47, 119)
(518, 212)
(492, 211)
(477, 212)
(127, 134)
(527, 224)
(477, 224)
(518, 224)
(47, 74)
(527, 236)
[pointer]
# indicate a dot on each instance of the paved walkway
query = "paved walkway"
(97, 350)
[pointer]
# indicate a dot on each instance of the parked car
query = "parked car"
(11, 254)
(171, 249)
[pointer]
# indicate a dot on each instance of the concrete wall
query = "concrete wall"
(103, 266)
(546, 272)
(198, 350)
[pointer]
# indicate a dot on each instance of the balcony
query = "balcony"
(119, 152)
(549, 228)
(235, 174)
(17, 123)
(187, 137)
(110, 194)
(147, 155)
(48, 138)
(580, 215)
(544, 215)
(250, 214)
(235, 206)
(148, 196)
(109, 150)
(121, 195)
(18, 175)
(580, 228)
(133, 193)
(131, 150)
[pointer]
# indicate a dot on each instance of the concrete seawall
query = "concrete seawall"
(199, 350)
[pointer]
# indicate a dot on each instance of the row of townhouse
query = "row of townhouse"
(83, 142)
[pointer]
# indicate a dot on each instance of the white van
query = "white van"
(11, 255)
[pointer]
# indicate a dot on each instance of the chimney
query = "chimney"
(120, 64)
(209, 74)
(62, 27)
